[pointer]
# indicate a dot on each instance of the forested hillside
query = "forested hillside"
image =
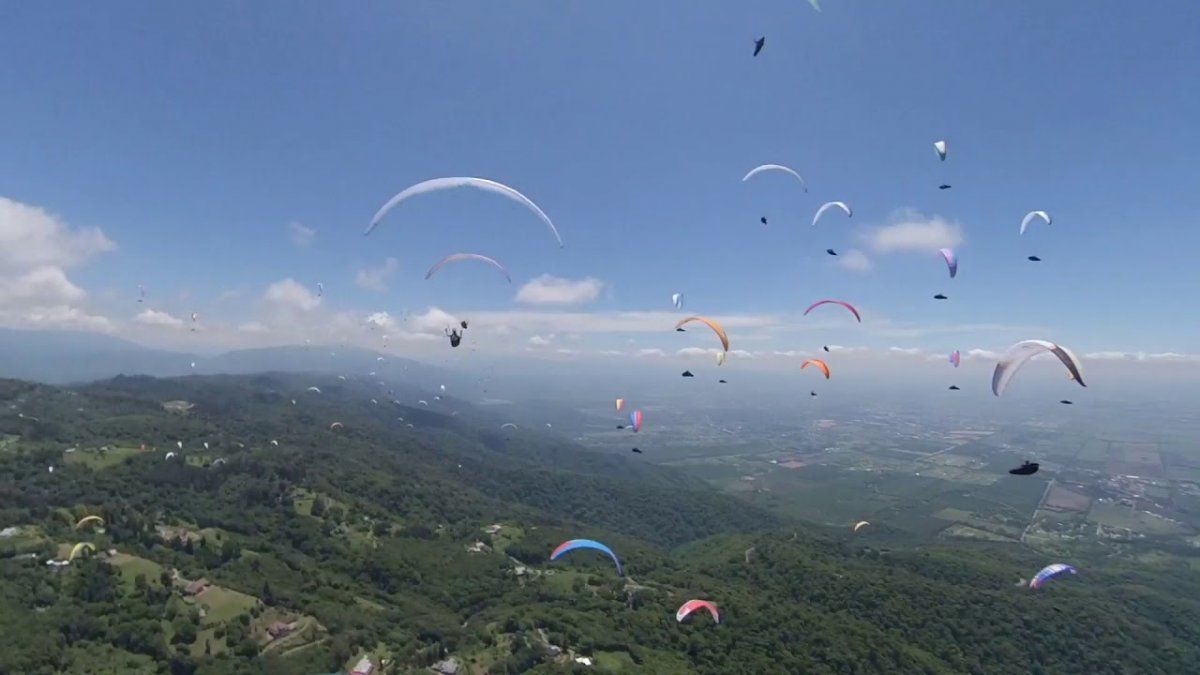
(274, 540)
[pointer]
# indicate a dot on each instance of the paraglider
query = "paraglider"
(80, 548)
(831, 251)
(274, 442)
(572, 544)
(834, 302)
(954, 387)
(336, 425)
(1021, 352)
(1034, 258)
(828, 205)
(1066, 402)
(812, 393)
(454, 335)
(677, 300)
(1031, 215)
(943, 186)
(758, 45)
(195, 319)
(141, 293)
(423, 402)
(170, 456)
(826, 348)
(89, 519)
(313, 389)
(508, 425)
(320, 289)
(951, 261)
(687, 373)
(941, 296)
(635, 420)
(716, 327)
(722, 382)
(1026, 469)
(860, 525)
(685, 610)
(636, 451)
(484, 184)
(763, 220)
(940, 148)
(955, 358)
(774, 167)
(457, 257)
(824, 367)
(179, 444)
(1050, 572)
(620, 403)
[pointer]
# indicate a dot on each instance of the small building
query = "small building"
(280, 629)
(493, 529)
(584, 660)
(363, 667)
(478, 547)
(196, 587)
(448, 667)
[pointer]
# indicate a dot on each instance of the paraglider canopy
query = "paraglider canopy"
(572, 544)
(951, 261)
(1031, 215)
(458, 257)
(758, 45)
(716, 327)
(635, 420)
(860, 525)
(484, 184)
(89, 519)
(1049, 572)
(774, 167)
(824, 367)
(685, 610)
(829, 205)
(834, 302)
(687, 373)
(940, 148)
(1022, 352)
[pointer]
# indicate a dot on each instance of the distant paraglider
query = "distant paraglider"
(508, 425)
(943, 186)
(687, 373)
(1066, 402)
(458, 257)
(953, 387)
(677, 300)
(1026, 469)
(89, 519)
(955, 359)
(831, 251)
(484, 184)
(620, 403)
(1034, 258)
(573, 544)
(758, 45)
(860, 525)
(636, 451)
(941, 296)
(940, 148)
(635, 420)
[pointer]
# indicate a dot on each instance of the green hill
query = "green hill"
(377, 537)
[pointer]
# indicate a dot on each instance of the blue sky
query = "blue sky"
(192, 136)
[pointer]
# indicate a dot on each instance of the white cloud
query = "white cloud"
(381, 320)
(434, 320)
(42, 285)
(152, 317)
(912, 231)
(650, 352)
(376, 278)
(1140, 356)
(550, 290)
(986, 354)
(905, 351)
(290, 293)
(62, 316)
(301, 235)
(31, 237)
(252, 327)
(539, 341)
(855, 261)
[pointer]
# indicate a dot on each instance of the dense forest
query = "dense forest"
(274, 541)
